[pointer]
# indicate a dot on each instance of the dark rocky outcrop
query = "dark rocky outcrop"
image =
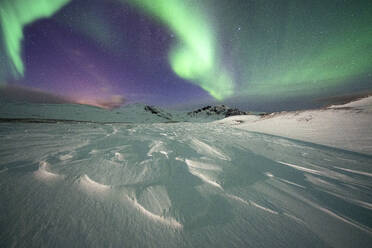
(218, 110)
(158, 112)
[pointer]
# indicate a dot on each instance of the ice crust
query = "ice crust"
(213, 184)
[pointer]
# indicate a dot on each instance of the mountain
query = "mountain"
(216, 112)
(346, 126)
(132, 113)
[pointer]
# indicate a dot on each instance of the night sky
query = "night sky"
(187, 52)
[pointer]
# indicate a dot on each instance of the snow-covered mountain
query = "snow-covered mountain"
(347, 126)
(216, 112)
(132, 113)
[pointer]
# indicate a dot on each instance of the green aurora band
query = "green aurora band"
(276, 48)
(296, 48)
(14, 16)
(195, 56)
(231, 48)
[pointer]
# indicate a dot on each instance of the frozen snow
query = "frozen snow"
(346, 126)
(133, 113)
(363, 103)
(211, 184)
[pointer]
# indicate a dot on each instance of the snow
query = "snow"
(364, 103)
(346, 126)
(211, 184)
(133, 113)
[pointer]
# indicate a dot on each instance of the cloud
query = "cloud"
(16, 93)
(113, 101)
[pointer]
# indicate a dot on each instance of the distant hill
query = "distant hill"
(132, 113)
(346, 126)
(217, 111)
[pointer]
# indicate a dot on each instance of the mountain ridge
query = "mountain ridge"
(131, 113)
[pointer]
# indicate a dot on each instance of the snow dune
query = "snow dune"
(345, 126)
(43, 174)
(157, 218)
(213, 184)
(92, 186)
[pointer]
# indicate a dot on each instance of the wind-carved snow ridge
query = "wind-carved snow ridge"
(199, 169)
(337, 192)
(337, 216)
(291, 183)
(119, 156)
(206, 149)
(355, 171)
(114, 131)
(90, 186)
(220, 186)
(254, 204)
(301, 168)
(158, 147)
(270, 175)
(201, 165)
(66, 157)
(362, 204)
(320, 172)
(251, 203)
(154, 217)
(43, 174)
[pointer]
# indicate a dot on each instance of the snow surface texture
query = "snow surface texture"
(216, 184)
(347, 126)
(177, 185)
(134, 113)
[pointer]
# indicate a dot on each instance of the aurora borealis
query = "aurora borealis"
(194, 58)
(14, 15)
(171, 52)
(308, 47)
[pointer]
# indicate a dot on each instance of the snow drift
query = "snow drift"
(347, 126)
(185, 184)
